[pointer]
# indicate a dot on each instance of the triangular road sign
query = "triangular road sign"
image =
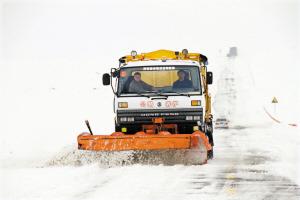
(274, 100)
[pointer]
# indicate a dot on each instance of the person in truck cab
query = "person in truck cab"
(183, 81)
(137, 85)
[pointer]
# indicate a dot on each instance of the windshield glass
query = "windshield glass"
(159, 79)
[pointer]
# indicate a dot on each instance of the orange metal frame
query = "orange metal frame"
(142, 141)
(153, 128)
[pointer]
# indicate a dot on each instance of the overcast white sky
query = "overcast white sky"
(72, 30)
(94, 34)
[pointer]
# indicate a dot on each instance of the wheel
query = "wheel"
(117, 127)
(209, 133)
(210, 154)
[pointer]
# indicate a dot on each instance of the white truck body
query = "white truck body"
(164, 104)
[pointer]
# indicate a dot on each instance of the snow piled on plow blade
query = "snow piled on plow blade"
(106, 159)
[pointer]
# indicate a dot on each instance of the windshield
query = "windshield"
(159, 79)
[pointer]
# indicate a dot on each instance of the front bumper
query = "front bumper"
(186, 115)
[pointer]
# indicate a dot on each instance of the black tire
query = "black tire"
(117, 128)
(209, 133)
(210, 154)
(210, 138)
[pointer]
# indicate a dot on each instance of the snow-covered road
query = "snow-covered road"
(249, 163)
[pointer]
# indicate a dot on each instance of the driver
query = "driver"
(137, 85)
(183, 81)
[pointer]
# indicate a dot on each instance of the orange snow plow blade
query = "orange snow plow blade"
(143, 141)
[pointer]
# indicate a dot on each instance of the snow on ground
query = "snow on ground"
(249, 163)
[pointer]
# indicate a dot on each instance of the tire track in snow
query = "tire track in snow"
(84, 194)
(240, 175)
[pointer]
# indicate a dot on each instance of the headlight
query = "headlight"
(189, 117)
(123, 119)
(126, 119)
(130, 119)
(133, 53)
(196, 118)
(123, 104)
(196, 103)
(185, 52)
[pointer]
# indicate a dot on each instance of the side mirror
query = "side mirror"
(209, 77)
(115, 73)
(106, 79)
(203, 59)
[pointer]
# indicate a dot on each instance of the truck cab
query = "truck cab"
(161, 84)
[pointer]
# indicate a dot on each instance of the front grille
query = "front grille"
(170, 116)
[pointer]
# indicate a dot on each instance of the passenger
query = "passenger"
(137, 85)
(183, 81)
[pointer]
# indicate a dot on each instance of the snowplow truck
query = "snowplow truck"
(161, 102)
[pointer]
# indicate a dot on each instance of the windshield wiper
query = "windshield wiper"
(160, 94)
(139, 93)
(181, 94)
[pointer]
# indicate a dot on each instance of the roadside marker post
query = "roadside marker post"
(274, 102)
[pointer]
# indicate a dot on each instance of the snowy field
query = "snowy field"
(246, 166)
(53, 54)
